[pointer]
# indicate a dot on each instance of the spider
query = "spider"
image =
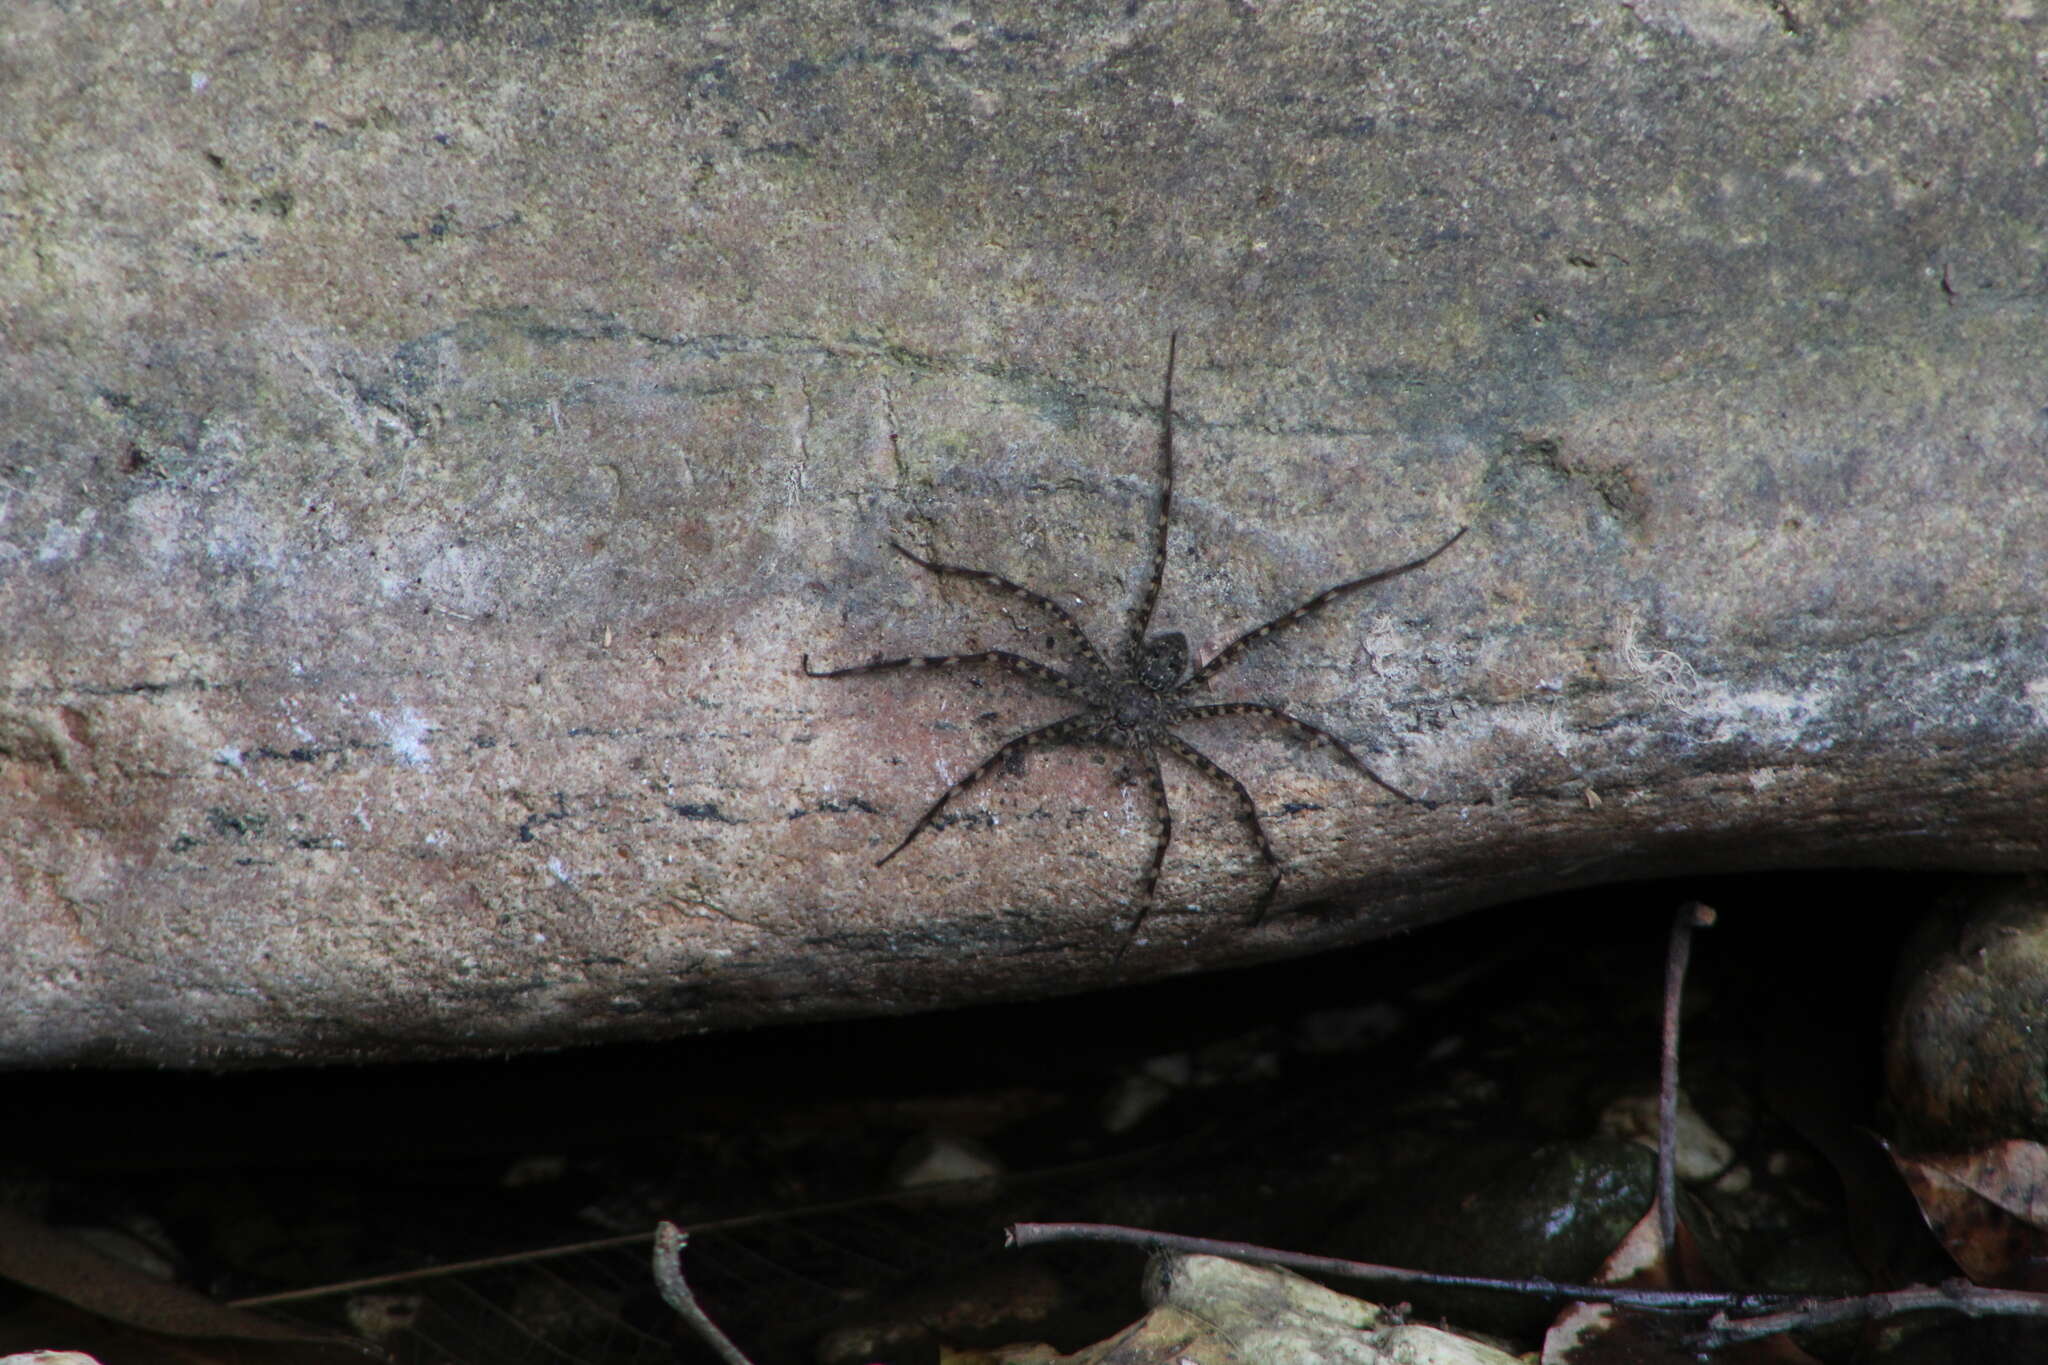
(1135, 702)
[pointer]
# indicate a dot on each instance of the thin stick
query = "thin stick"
(745, 1220)
(1692, 915)
(1648, 1300)
(669, 1241)
(1951, 1296)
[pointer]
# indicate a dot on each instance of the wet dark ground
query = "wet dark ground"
(1383, 1103)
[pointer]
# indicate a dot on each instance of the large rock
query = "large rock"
(433, 434)
(1966, 1058)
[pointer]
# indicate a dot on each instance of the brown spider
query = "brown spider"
(1134, 703)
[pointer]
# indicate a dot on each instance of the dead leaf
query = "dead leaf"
(1988, 1208)
(90, 1298)
(1602, 1334)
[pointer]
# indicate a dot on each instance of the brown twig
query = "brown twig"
(1952, 1296)
(669, 1241)
(1692, 915)
(1647, 1300)
(768, 1217)
(1735, 1317)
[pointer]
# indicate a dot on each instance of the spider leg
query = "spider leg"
(1141, 618)
(1315, 733)
(1044, 734)
(1068, 625)
(1228, 654)
(1155, 780)
(1246, 807)
(1015, 663)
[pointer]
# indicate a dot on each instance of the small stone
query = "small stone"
(943, 1159)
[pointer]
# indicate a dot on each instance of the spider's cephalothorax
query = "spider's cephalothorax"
(1162, 660)
(1135, 702)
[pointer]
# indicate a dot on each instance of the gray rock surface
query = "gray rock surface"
(431, 434)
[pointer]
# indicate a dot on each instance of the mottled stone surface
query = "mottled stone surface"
(1966, 1061)
(430, 435)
